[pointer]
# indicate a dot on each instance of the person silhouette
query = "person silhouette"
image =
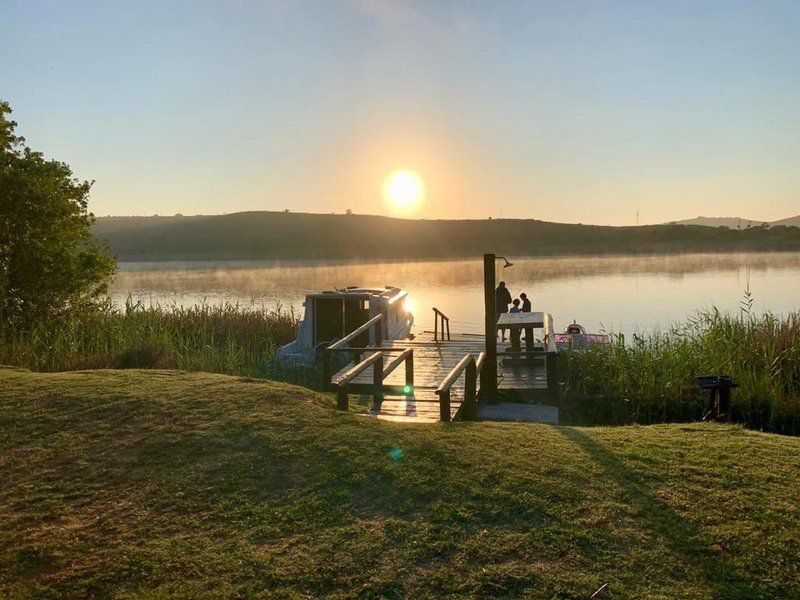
(515, 332)
(526, 303)
(502, 298)
(526, 308)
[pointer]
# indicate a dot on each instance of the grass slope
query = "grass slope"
(153, 484)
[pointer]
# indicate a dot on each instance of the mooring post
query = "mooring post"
(490, 327)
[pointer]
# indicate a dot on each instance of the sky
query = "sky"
(564, 111)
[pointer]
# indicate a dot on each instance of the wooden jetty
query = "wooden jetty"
(439, 377)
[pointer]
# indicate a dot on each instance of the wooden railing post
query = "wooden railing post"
(410, 370)
(551, 361)
(443, 391)
(342, 400)
(377, 382)
(435, 325)
(448, 329)
(444, 406)
(327, 368)
(470, 389)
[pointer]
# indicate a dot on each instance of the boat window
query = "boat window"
(328, 319)
(356, 314)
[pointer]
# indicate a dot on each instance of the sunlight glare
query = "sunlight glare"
(403, 190)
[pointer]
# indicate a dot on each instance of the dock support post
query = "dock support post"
(551, 361)
(342, 401)
(490, 327)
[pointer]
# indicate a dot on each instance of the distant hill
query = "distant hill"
(790, 222)
(281, 235)
(730, 222)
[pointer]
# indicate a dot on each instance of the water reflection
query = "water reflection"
(623, 294)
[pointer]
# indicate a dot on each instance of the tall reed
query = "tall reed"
(222, 338)
(652, 378)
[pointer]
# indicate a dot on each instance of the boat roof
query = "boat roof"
(387, 292)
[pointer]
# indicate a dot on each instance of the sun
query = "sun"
(403, 190)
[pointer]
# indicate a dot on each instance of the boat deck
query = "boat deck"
(526, 380)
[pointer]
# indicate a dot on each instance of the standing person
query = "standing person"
(526, 308)
(515, 332)
(526, 303)
(502, 298)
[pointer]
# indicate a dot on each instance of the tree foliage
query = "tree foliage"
(50, 263)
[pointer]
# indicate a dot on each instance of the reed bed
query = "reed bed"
(223, 338)
(651, 379)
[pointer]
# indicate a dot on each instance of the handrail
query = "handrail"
(404, 356)
(376, 361)
(481, 360)
(454, 374)
(468, 364)
(327, 354)
(379, 373)
(384, 349)
(549, 334)
(356, 370)
(445, 320)
(356, 332)
(551, 359)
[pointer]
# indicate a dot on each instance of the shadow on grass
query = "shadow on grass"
(681, 536)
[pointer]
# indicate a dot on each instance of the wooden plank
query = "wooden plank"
(433, 361)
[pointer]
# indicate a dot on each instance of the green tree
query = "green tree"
(50, 264)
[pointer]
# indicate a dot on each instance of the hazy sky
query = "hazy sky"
(565, 111)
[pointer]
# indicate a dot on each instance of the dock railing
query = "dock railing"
(440, 317)
(342, 346)
(380, 372)
(472, 368)
(551, 359)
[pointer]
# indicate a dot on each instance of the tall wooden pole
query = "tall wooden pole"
(490, 327)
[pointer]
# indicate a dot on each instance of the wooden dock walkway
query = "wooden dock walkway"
(433, 360)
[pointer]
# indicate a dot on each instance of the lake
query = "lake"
(614, 294)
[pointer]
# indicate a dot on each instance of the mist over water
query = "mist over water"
(615, 294)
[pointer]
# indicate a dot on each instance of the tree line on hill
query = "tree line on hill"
(285, 236)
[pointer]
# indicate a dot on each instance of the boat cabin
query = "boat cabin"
(331, 315)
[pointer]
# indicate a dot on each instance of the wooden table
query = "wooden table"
(516, 322)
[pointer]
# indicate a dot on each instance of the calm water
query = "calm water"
(620, 294)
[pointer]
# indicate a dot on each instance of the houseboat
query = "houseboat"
(331, 315)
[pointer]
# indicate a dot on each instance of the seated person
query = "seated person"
(515, 308)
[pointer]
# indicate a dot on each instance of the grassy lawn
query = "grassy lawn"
(154, 484)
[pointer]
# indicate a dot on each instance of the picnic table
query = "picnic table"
(515, 323)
